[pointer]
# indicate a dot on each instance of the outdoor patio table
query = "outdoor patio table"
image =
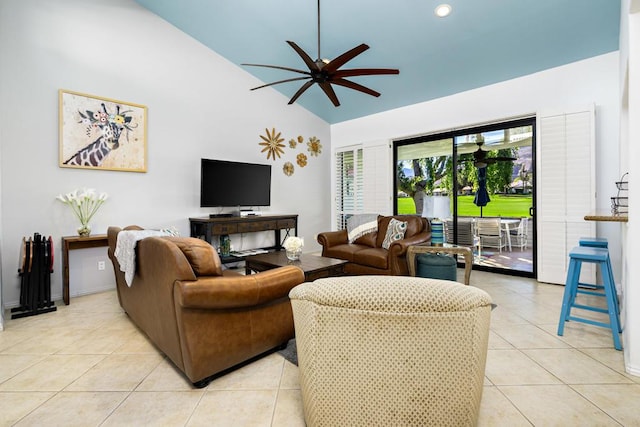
(506, 223)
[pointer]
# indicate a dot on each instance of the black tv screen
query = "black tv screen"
(224, 183)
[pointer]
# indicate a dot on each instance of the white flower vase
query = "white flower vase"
(294, 254)
(84, 230)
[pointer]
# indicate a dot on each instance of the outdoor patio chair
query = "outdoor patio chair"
(519, 234)
(466, 232)
(491, 233)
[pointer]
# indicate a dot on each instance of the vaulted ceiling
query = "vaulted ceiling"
(481, 42)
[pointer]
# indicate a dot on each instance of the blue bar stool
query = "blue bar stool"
(599, 256)
(594, 242)
(600, 242)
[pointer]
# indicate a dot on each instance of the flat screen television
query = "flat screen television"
(228, 184)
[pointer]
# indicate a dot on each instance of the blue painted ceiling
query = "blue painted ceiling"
(480, 43)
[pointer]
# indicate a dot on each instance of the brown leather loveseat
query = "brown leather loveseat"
(366, 254)
(204, 319)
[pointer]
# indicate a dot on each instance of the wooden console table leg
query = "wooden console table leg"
(77, 242)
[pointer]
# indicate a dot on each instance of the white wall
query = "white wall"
(630, 138)
(199, 105)
(1, 301)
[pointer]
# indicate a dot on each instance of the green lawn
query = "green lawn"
(500, 205)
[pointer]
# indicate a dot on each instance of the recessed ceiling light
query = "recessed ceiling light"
(443, 10)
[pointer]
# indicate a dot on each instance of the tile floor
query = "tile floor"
(87, 365)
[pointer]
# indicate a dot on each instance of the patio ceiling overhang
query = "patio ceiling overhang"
(443, 147)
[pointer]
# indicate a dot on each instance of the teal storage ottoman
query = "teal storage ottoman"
(436, 266)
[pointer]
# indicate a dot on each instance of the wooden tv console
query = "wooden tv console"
(206, 228)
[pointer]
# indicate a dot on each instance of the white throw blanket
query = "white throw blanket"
(361, 224)
(126, 249)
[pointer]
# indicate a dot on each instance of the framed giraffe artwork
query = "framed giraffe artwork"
(102, 133)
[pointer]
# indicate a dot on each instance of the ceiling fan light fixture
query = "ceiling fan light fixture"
(326, 73)
(443, 10)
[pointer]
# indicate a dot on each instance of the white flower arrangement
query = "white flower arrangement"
(84, 204)
(293, 243)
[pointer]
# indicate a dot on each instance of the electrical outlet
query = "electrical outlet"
(101, 265)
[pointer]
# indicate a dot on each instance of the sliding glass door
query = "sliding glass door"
(484, 176)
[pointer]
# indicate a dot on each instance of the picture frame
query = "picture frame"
(101, 133)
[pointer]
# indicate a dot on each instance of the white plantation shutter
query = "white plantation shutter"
(349, 191)
(565, 190)
(378, 176)
(362, 181)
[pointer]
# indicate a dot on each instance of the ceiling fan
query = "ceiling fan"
(480, 159)
(326, 72)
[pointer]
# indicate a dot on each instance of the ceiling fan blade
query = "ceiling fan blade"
(355, 86)
(328, 90)
(281, 81)
(364, 72)
(306, 58)
(338, 62)
(277, 67)
(300, 91)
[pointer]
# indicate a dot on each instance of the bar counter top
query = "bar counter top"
(607, 216)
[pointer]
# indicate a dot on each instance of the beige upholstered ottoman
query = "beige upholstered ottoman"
(390, 351)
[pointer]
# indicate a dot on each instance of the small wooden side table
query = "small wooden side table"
(447, 248)
(77, 242)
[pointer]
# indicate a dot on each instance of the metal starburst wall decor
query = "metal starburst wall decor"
(301, 160)
(314, 147)
(272, 144)
(288, 169)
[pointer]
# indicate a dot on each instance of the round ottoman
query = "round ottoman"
(436, 266)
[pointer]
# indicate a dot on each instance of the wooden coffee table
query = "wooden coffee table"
(314, 266)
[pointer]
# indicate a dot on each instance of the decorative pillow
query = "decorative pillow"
(368, 239)
(395, 231)
(203, 258)
(359, 225)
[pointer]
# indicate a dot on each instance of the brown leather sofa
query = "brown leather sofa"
(366, 254)
(204, 319)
